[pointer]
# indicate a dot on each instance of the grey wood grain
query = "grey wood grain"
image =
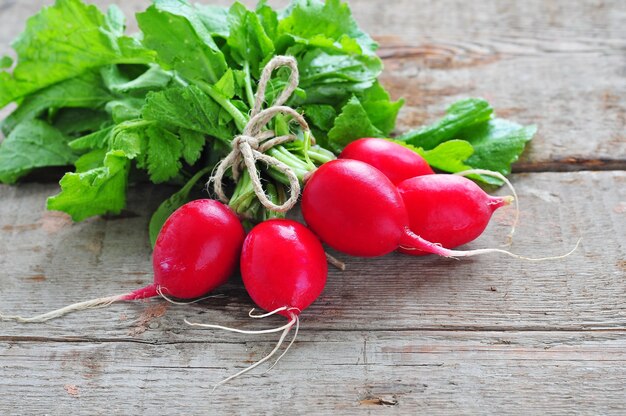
(52, 262)
(420, 334)
(396, 334)
(437, 373)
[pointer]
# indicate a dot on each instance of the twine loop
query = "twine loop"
(250, 146)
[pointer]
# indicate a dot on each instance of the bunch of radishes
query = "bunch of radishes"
(376, 198)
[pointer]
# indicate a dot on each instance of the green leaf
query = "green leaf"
(318, 66)
(171, 204)
(247, 39)
(175, 30)
(132, 142)
(96, 140)
(461, 114)
(328, 78)
(449, 156)
(115, 20)
(164, 151)
(79, 121)
(214, 19)
(268, 18)
(381, 111)
(154, 78)
(353, 123)
(96, 191)
(125, 109)
(6, 62)
(320, 115)
(226, 84)
(86, 91)
(193, 143)
(90, 160)
(321, 22)
(189, 108)
(497, 144)
(63, 41)
(32, 144)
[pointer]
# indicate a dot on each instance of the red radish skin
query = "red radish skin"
(356, 209)
(196, 251)
(283, 264)
(448, 209)
(395, 161)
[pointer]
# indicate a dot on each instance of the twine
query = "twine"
(250, 146)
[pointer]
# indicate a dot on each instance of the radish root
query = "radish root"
(335, 262)
(160, 290)
(80, 306)
(293, 321)
(411, 240)
(142, 293)
(469, 253)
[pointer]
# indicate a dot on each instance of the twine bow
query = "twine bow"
(250, 146)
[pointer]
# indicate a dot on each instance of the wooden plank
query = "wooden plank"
(550, 63)
(47, 262)
(414, 335)
(411, 372)
(581, 113)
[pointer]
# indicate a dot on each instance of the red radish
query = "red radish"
(196, 251)
(395, 161)
(448, 209)
(283, 264)
(354, 208)
(284, 268)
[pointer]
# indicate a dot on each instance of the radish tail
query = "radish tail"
(243, 331)
(295, 335)
(335, 262)
(146, 292)
(294, 321)
(189, 302)
(411, 241)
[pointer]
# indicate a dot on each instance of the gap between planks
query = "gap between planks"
(26, 338)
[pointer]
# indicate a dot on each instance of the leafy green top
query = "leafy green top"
(169, 101)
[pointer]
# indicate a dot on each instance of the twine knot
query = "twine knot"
(250, 146)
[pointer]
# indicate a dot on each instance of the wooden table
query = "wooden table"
(430, 335)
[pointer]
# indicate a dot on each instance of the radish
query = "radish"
(283, 264)
(196, 251)
(448, 209)
(395, 161)
(356, 209)
(284, 268)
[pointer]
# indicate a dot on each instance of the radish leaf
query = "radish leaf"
(459, 115)
(497, 144)
(96, 191)
(61, 42)
(33, 144)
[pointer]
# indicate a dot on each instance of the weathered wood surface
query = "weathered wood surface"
(427, 334)
(436, 336)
